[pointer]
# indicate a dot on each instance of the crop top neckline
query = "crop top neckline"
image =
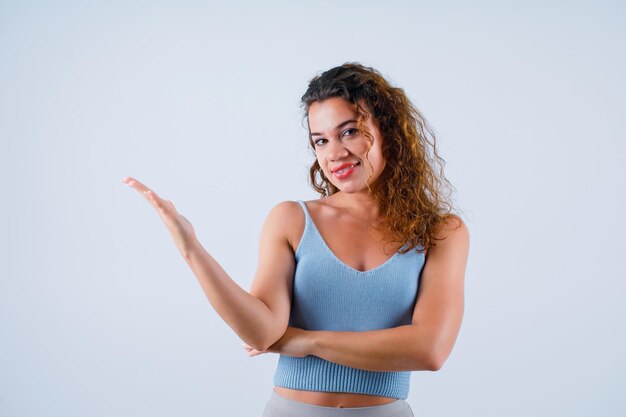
(309, 223)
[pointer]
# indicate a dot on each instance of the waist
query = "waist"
(333, 399)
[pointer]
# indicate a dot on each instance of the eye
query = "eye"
(353, 130)
(317, 141)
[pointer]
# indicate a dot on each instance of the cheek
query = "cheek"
(377, 161)
(361, 148)
(320, 161)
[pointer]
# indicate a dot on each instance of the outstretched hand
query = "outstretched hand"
(180, 228)
(295, 342)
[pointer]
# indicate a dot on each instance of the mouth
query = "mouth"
(343, 168)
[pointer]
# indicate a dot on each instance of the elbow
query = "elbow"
(262, 345)
(268, 340)
(435, 354)
(258, 341)
(426, 361)
(257, 346)
(262, 338)
(439, 357)
(434, 361)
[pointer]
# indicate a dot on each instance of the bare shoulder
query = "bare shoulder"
(288, 218)
(453, 233)
(452, 226)
(285, 208)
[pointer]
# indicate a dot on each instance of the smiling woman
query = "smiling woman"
(341, 142)
(358, 288)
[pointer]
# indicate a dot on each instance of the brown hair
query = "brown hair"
(409, 191)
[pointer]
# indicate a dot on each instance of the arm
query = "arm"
(397, 349)
(426, 343)
(260, 317)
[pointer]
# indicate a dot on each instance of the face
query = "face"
(340, 147)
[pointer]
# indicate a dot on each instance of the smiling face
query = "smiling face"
(341, 148)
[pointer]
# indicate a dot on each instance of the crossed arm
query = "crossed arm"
(425, 344)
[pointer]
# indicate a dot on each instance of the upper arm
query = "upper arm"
(440, 301)
(273, 281)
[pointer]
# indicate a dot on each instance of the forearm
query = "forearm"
(248, 316)
(404, 348)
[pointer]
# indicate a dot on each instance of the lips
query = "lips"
(346, 165)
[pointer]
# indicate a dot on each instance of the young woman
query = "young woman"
(358, 288)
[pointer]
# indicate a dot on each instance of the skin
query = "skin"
(346, 221)
(428, 341)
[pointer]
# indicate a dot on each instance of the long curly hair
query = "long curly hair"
(412, 194)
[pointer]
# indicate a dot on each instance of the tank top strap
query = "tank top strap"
(309, 241)
(307, 215)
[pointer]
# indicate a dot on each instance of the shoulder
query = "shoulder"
(285, 207)
(285, 213)
(453, 232)
(287, 219)
(452, 225)
(447, 259)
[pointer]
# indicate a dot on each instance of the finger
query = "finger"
(152, 197)
(136, 184)
(250, 348)
(149, 194)
(250, 351)
(130, 181)
(162, 205)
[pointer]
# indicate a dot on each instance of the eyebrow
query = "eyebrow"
(339, 126)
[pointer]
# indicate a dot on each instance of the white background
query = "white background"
(100, 315)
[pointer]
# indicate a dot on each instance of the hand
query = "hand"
(182, 231)
(295, 342)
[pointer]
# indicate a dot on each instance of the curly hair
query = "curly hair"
(410, 192)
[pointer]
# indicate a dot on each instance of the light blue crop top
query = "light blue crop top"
(330, 295)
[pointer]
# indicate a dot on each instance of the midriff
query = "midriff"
(333, 399)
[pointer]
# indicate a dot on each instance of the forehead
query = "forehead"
(327, 114)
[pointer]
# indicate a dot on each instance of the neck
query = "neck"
(361, 204)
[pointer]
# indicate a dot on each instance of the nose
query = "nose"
(337, 150)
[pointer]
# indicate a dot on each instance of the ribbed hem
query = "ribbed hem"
(312, 373)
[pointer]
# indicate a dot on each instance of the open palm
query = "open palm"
(180, 228)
